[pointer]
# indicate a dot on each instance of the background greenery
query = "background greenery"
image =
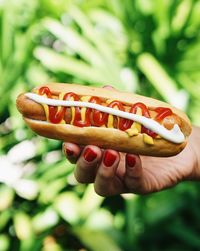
(150, 47)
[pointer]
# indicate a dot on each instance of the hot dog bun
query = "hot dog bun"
(104, 137)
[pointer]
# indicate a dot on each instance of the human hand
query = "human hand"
(115, 173)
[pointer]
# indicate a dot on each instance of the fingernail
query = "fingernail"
(69, 152)
(89, 155)
(130, 160)
(109, 158)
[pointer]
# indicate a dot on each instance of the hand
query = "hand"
(116, 173)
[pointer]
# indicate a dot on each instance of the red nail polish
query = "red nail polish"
(130, 160)
(69, 152)
(109, 158)
(89, 155)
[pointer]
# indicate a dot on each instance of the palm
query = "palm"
(157, 173)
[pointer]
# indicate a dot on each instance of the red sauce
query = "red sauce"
(123, 123)
(162, 113)
(97, 118)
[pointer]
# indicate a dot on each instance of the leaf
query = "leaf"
(4, 242)
(6, 33)
(161, 81)
(69, 65)
(182, 15)
(90, 202)
(68, 206)
(75, 41)
(83, 21)
(99, 219)
(96, 240)
(51, 191)
(45, 220)
(4, 218)
(22, 225)
(6, 197)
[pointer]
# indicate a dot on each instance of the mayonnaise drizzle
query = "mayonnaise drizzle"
(174, 135)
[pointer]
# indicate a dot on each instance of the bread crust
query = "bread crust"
(107, 138)
(101, 136)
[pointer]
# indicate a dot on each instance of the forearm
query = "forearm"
(194, 144)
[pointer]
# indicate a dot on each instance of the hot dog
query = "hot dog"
(107, 118)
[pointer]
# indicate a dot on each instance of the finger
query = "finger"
(108, 87)
(71, 151)
(133, 175)
(85, 170)
(106, 174)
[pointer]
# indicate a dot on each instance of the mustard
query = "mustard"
(110, 117)
(148, 139)
(46, 108)
(61, 96)
(83, 109)
(136, 127)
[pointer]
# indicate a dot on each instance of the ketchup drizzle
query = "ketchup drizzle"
(97, 118)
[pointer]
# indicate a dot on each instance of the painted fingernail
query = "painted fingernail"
(69, 152)
(130, 160)
(89, 155)
(109, 158)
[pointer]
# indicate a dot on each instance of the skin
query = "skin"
(148, 175)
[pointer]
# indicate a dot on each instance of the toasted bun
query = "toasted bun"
(106, 137)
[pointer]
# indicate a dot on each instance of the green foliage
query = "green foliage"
(146, 46)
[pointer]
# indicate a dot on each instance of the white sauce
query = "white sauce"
(174, 135)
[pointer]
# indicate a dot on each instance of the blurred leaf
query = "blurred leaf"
(88, 30)
(186, 235)
(90, 202)
(4, 242)
(57, 62)
(161, 81)
(6, 197)
(44, 220)
(48, 172)
(4, 218)
(76, 42)
(183, 13)
(23, 226)
(68, 205)
(27, 189)
(96, 240)
(50, 192)
(100, 219)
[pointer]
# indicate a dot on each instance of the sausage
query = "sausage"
(144, 137)
(35, 111)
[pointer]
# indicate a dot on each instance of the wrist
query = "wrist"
(194, 143)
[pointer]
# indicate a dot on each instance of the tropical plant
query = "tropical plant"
(149, 47)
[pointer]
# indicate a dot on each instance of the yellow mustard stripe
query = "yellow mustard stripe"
(108, 101)
(83, 109)
(110, 117)
(148, 139)
(136, 127)
(46, 108)
(61, 95)
(110, 121)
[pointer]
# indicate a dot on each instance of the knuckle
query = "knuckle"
(103, 175)
(83, 180)
(101, 192)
